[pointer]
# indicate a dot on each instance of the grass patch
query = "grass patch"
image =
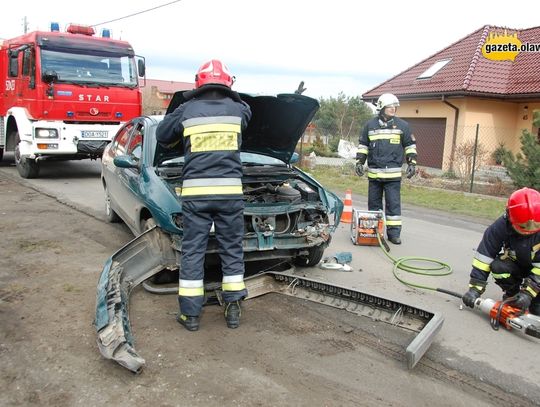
(338, 179)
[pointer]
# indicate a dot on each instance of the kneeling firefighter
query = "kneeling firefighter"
(510, 251)
(207, 129)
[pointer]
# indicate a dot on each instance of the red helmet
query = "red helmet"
(213, 71)
(524, 210)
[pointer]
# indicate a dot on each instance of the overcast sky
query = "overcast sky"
(333, 46)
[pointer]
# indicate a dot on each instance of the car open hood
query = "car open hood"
(277, 123)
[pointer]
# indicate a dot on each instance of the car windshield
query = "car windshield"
(249, 159)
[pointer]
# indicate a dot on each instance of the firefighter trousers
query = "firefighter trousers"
(228, 219)
(392, 203)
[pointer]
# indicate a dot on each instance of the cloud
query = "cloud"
(334, 46)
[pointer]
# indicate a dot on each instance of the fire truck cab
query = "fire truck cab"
(63, 95)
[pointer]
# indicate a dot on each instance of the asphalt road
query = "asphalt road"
(466, 342)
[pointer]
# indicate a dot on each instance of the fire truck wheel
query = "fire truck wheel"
(110, 214)
(27, 167)
(313, 257)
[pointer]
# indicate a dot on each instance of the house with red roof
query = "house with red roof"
(461, 94)
(157, 94)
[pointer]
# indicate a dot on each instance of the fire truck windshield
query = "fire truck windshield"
(90, 69)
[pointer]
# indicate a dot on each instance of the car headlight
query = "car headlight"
(46, 133)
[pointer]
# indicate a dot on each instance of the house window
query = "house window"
(433, 69)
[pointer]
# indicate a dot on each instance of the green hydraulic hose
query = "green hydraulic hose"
(441, 269)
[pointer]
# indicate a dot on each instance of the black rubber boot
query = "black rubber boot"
(233, 312)
(190, 323)
(395, 240)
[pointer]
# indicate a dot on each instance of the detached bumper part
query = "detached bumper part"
(425, 323)
(138, 260)
(153, 251)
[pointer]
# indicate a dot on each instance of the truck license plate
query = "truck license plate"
(94, 134)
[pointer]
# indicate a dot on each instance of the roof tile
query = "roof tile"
(469, 71)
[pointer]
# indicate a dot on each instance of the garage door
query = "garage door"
(429, 135)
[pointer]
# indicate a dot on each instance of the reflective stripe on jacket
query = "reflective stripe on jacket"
(209, 134)
(385, 148)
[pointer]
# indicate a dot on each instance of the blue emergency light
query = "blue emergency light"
(105, 33)
(55, 27)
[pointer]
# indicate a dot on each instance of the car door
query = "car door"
(112, 174)
(130, 178)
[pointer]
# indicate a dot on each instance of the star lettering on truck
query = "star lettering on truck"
(93, 98)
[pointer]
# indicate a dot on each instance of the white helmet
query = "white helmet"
(387, 99)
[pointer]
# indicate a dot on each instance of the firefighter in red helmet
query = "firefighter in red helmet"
(510, 252)
(207, 131)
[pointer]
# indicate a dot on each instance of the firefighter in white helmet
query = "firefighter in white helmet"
(384, 142)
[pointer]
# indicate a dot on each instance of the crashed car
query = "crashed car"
(288, 215)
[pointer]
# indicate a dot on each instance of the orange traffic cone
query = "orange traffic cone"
(346, 216)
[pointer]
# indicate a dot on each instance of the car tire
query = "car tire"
(1, 153)
(27, 167)
(313, 257)
(147, 224)
(110, 214)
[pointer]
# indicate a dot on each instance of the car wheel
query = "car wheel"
(110, 214)
(1, 153)
(313, 257)
(148, 224)
(27, 167)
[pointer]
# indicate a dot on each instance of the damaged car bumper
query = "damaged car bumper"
(154, 251)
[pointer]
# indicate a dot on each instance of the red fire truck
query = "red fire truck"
(63, 95)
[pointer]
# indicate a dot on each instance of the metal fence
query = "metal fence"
(467, 158)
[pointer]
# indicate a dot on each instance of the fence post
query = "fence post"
(474, 156)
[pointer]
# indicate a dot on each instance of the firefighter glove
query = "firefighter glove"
(359, 169)
(470, 297)
(522, 300)
(411, 170)
(476, 289)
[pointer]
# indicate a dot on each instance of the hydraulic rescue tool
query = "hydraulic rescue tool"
(512, 318)
(505, 314)
(152, 251)
(500, 312)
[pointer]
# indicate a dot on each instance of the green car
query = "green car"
(288, 214)
(288, 218)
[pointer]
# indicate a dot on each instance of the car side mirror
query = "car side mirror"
(141, 67)
(13, 64)
(125, 161)
(294, 158)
